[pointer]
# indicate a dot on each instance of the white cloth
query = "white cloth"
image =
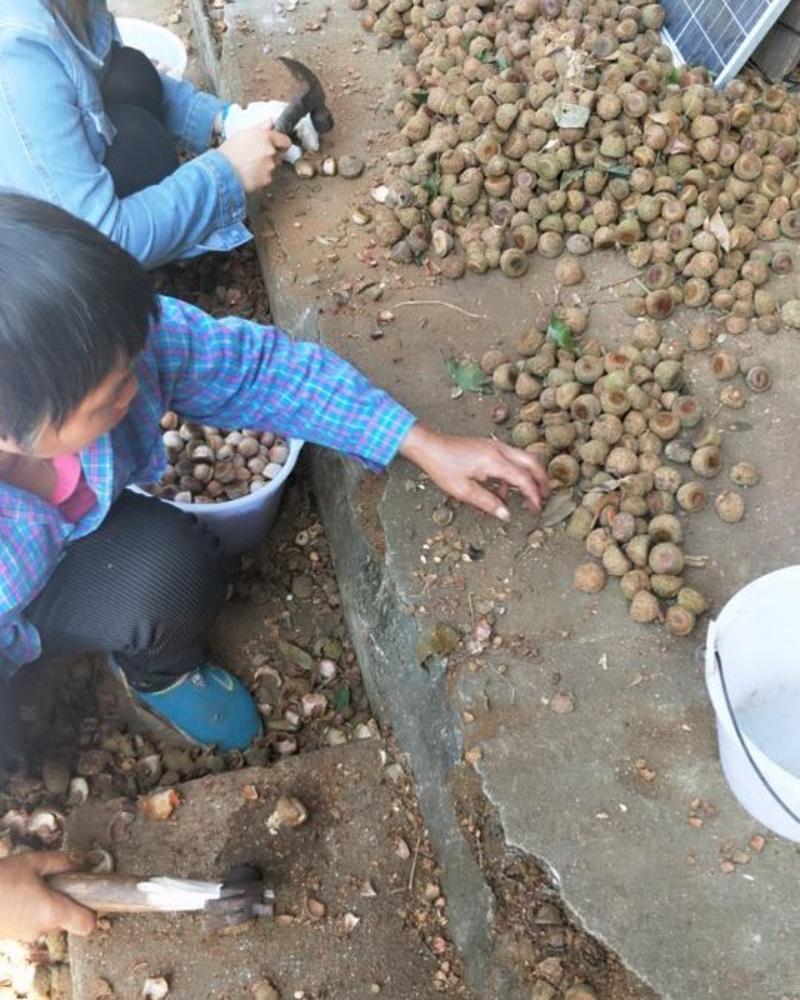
(238, 118)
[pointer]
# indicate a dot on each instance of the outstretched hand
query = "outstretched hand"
(463, 467)
(29, 907)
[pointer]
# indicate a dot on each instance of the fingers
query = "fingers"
(533, 465)
(71, 916)
(483, 499)
(520, 475)
(522, 479)
(280, 141)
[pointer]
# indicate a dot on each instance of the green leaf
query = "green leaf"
(340, 699)
(558, 331)
(431, 184)
(419, 97)
(619, 170)
(486, 56)
(675, 75)
(502, 62)
(467, 376)
(570, 176)
(297, 657)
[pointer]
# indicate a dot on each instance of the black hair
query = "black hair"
(73, 306)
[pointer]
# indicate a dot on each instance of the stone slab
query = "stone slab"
(350, 838)
(641, 879)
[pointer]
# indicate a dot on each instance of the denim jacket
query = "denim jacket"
(55, 133)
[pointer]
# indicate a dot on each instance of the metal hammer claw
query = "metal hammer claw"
(310, 100)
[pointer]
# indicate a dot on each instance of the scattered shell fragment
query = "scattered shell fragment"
(289, 812)
(160, 805)
(562, 703)
(315, 908)
(155, 988)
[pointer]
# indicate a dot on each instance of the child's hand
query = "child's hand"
(254, 153)
(28, 908)
(460, 466)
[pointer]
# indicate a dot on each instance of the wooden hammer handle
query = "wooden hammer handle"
(104, 893)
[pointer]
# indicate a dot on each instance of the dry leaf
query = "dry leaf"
(250, 792)
(716, 226)
(558, 508)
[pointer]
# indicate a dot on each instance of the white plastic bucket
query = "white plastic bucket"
(753, 679)
(242, 524)
(159, 44)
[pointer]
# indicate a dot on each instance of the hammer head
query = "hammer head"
(242, 897)
(310, 100)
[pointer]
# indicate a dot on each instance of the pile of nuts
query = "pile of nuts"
(617, 430)
(209, 465)
(550, 126)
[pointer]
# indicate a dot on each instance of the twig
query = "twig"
(439, 302)
(413, 871)
(479, 846)
(622, 281)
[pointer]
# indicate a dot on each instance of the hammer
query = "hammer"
(310, 100)
(240, 897)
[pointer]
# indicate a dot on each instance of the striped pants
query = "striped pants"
(145, 586)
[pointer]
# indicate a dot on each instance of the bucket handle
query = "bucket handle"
(744, 745)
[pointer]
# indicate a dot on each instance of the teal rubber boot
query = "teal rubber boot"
(208, 706)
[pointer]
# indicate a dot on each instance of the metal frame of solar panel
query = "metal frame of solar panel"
(718, 34)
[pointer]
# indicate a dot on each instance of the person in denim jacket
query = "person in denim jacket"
(93, 127)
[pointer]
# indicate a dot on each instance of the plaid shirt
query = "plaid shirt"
(226, 373)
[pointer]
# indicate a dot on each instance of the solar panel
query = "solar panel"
(718, 34)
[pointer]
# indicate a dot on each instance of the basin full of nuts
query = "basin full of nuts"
(231, 480)
(209, 465)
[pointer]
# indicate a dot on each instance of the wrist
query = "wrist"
(416, 445)
(219, 121)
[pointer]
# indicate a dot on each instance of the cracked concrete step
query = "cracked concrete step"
(349, 840)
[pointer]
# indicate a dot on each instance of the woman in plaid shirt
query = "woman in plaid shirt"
(90, 359)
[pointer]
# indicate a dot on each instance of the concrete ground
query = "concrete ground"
(342, 883)
(567, 788)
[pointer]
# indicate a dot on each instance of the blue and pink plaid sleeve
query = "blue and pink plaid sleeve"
(229, 373)
(234, 373)
(28, 556)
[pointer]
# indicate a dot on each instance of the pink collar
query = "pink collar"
(68, 474)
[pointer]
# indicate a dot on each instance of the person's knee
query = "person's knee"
(180, 585)
(132, 79)
(143, 152)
